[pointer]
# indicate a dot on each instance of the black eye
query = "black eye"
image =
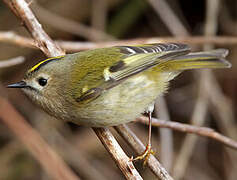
(42, 81)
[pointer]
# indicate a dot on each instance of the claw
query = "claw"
(145, 155)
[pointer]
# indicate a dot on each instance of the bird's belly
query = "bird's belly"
(122, 103)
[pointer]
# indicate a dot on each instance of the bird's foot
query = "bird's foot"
(145, 155)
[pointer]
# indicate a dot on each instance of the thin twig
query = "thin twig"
(137, 145)
(189, 142)
(200, 109)
(46, 156)
(222, 108)
(12, 62)
(99, 14)
(22, 10)
(168, 16)
(198, 118)
(69, 25)
(81, 164)
(186, 128)
(186, 150)
(121, 159)
(13, 38)
(166, 135)
(120, 42)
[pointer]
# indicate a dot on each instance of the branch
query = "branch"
(201, 131)
(194, 40)
(169, 17)
(166, 135)
(12, 61)
(121, 159)
(13, 38)
(46, 156)
(22, 10)
(137, 145)
(70, 26)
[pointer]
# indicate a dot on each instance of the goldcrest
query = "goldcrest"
(111, 86)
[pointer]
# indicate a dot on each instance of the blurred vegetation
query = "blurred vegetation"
(120, 19)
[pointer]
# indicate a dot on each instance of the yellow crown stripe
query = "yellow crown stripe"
(49, 59)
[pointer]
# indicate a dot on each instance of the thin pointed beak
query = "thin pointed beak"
(21, 84)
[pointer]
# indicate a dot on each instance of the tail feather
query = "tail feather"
(198, 60)
(215, 52)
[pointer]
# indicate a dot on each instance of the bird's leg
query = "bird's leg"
(145, 155)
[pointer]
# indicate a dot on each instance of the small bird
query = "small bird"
(111, 86)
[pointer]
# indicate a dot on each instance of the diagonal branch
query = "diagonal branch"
(121, 159)
(21, 9)
(137, 145)
(46, 156)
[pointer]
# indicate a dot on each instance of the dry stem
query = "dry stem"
(121, 159)
(13, 38)
(201, 131)
(21, 9)
(12, 62)
(46, 156)
(70, 26)
(137, 145)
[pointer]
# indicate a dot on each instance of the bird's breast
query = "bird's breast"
(122, 103)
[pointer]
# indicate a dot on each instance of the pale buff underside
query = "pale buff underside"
(123, 103)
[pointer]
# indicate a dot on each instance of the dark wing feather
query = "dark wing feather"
(140, 58)
(152, 48)
(135, 60)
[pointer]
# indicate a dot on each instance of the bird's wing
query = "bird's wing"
(135, 59)
(140, 58)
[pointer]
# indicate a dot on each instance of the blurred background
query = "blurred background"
(202, 98)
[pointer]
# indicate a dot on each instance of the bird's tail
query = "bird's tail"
(197, 60)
